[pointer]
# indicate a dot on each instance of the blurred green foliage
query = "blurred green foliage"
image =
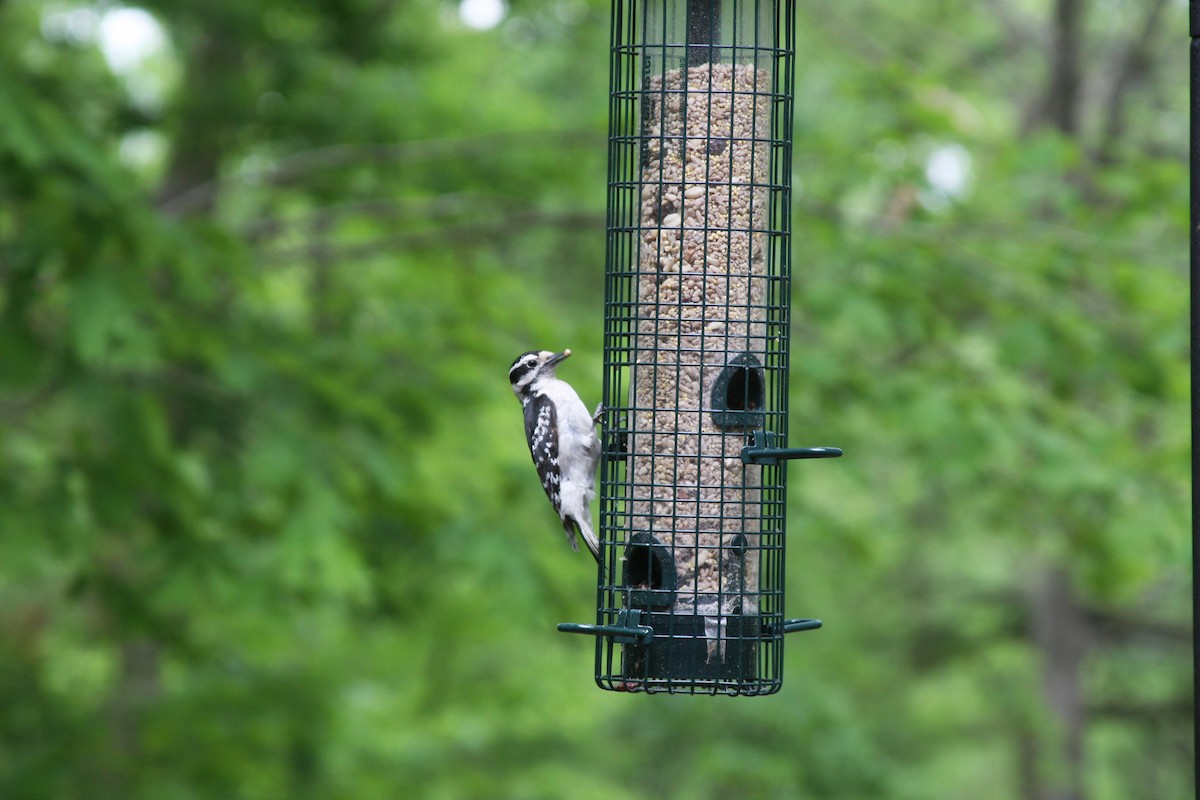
(258, 296)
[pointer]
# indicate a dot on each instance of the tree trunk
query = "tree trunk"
(1061, 633)
(1060, 106)
(136, 688)
(203, 125)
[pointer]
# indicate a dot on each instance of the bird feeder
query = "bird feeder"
(693, 471)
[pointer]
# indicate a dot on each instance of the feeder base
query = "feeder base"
(692, 652)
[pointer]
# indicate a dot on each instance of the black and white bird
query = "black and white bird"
(562, 439)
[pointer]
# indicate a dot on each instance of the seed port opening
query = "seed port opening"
(616, 443)
(739, 394)
(649, 572)
(733, 568)
(745, 390)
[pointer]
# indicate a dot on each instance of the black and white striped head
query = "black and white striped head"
(529, 368)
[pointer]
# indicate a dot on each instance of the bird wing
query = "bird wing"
(541, 431)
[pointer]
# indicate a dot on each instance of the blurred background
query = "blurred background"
(268, 524)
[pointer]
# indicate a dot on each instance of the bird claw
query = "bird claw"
(600, 409)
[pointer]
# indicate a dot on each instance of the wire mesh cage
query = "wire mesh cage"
(693, 484)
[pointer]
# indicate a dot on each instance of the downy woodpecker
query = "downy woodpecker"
(562, 439)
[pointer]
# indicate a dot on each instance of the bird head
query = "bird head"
(528, 368)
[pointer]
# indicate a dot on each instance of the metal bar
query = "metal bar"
(642, 634)
(764, 451)
(773, 455)
(703, 30)
(1194, 281)
(794, 625)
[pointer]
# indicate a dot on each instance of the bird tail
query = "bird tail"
(584, 526)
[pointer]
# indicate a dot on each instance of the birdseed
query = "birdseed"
(701, 281)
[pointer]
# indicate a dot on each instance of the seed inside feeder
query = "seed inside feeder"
(707, 128)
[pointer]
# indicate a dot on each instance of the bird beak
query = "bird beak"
(557, 357)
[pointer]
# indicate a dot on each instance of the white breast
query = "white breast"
(578, 447)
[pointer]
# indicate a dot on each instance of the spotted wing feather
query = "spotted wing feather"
(541, 431)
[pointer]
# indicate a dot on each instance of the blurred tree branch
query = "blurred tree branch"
(1133, 68)
(296, 167)
(450, 237)
(1060, 104)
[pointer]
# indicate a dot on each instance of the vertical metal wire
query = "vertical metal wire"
(696, 343)
(1194, 25)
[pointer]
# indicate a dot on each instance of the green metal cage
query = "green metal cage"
(693, 477)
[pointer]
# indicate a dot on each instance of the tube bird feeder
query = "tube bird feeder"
(697, 316)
